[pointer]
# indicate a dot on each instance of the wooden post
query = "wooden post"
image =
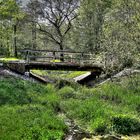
(71, 58)
(82, 58)
(54, 57)
(27, 56)
(90, 57)
(15, 40)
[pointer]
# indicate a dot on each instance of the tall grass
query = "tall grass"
(30, 110)
(98, 109)
(29, 122)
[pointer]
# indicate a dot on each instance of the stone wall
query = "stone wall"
(16, 66)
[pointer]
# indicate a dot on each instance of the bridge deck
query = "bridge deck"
(23, 67)
(63, 66)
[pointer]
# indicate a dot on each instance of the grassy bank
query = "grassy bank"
(30, 110)
(68, 75)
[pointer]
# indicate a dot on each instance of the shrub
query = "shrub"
(67, 92)
(125, 125)
(127, 61)
(138, 108)
(101, 129)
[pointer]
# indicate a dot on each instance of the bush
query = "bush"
(138, 108)
(125, 125)
(67, 92)
(101, 129)
(127, 61)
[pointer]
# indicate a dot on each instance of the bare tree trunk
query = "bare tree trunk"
(98, 30)
(33, 35)
(15, 40)
(61, 54)
(1, 44)
(8, 52)
(34, 45)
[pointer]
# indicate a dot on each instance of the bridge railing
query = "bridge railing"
(56, 55)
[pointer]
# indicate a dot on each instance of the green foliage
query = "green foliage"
(74, 74)
(67, 92)
(62, 83)
(133, 83)
(125, 125)
(8, 8)
(3, 51)
(23, 94)
(10, 16)
(100, 126)
(127, 62)
(29, 110)
(30, 122)
(89, 23)
(120, 29)
(94, 109)
(52, 101)
(109, 28)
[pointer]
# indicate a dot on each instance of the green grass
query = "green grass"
(59, 74)
(31, 111)
(8, 59)
(56, 61)
(29, 122)
(96, 109)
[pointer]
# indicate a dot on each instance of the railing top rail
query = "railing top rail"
(58, 57)
(64, 51)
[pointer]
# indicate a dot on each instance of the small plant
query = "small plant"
(101, 129)
(138, 108)
(125, 125)
(133, 83)
(99, 125)
(127, 61)
(67, 92)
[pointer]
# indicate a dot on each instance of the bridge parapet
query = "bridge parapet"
(34, 59)
(56, 56)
